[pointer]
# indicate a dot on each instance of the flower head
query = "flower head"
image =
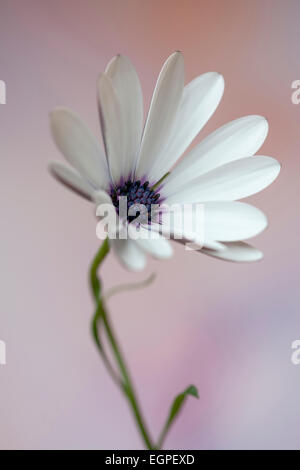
(137, 163)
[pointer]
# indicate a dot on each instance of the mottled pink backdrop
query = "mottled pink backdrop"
(227, 328)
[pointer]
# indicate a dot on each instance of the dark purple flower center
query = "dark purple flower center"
(136, 193)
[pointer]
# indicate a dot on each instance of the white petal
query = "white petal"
(238, 139)
(213, 245)
(112, 126)
(128, 89)
(129, 253)
(157, 247)
(207, 244)
(232, 221)
(232, 181)
(164, 105)
(79, 146)
(222, 221)
(71, 178)
(199, 101)
(172, 229)
(236, 251)
(102, 197)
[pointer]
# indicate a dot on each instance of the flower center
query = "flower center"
(140, 198)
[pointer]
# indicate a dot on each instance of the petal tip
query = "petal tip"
(263, 122)
(176, 56)
(220, 81)
(114, 61)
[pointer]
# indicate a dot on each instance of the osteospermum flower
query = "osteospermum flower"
(137, 160)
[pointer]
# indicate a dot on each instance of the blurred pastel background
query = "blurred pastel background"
(227, 328)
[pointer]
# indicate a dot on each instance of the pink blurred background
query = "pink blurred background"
(227, 328)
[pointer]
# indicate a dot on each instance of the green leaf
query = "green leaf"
(175, 409)
(179, 401)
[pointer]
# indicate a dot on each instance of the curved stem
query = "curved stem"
(126, 287)
(101, 254)
(98, 315)
(96, 287)
(125, 385)
(129, 388)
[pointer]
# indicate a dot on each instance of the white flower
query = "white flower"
(216, 172)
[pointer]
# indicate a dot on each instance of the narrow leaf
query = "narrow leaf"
(175, 409)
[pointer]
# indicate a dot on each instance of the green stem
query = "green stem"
(129, 388)
(126, 287)
(162, 437)
(101, 254)
(125, 385)
(97, 317)
(96, 287)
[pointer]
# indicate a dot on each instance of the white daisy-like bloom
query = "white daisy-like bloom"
(216, 173)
